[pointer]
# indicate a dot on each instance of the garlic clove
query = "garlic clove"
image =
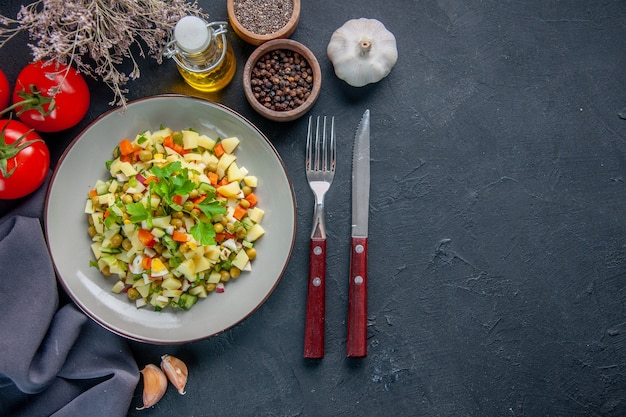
(362, 51)
(176, 372)
(154, 385)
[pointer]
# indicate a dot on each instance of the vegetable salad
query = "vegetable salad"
(176, 220)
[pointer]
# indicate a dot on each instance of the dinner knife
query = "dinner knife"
(356, 346)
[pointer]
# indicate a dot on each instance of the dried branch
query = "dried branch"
(98, 36)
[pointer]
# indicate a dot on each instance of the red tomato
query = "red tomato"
(26, 157)
(40, 82)
(5, 91)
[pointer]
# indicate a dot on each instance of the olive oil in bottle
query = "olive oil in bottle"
(202, 54)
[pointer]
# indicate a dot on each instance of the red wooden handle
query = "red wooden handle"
(316, 301)
(357, 300)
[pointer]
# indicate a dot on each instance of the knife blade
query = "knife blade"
(356, 346)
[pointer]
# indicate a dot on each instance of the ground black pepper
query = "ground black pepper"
(263, 16)
(281, 80)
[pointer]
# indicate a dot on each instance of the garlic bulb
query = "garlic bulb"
(362, 51)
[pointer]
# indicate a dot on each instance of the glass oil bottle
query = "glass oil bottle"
(202, 54)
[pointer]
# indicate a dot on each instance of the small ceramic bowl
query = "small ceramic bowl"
(257, 39)
(283, 82)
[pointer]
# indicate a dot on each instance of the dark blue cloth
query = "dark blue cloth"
(54, 360)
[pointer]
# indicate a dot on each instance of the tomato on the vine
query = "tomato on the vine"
(53, 97)
(24, 160)
(5, 91)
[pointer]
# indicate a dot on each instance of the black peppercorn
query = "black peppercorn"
(281, 80)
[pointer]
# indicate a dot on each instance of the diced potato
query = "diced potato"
(144, 289)
(190, 139)
(128, 169)
(209, 159)
(255, 232)
(241, 259)
(159, 300)
(129, 280)
(256, 214)
(229, 144)
(234, 173)
(143, 140)
(154, 202)
(95, 248)
(200, 291)
(251, 181)
(202, 264)
(114, 169)
(89, 207)
(169, 151)
(206, 142)
(98, 221)
(188, 269)
(172, 283)
(159, 135)
(192, 156)
(172, 293)
(100, 187)
(118, 287)
(113, 186)
(107, 199)
(212, 253)
(214, 278)
(223, 163)
(161, 222)
(231, 189)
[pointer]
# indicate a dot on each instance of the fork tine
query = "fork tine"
(309, 149)
(321, 150)
(333, 145)
(318, 162)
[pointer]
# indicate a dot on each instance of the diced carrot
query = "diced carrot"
(239, 212)
(198, 199)
(93, 193)
(146, 262)
(179, 236)
(126, 147)
(168, 141)
(213, 178)
(106, 213)
(146, 238)
(252, 199)
(220, 237)
(218, 150)
(126, 158)
(180, 149)
(224, 181)
(150, 179)
(177, 199)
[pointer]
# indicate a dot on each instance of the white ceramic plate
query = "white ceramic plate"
(66, 224)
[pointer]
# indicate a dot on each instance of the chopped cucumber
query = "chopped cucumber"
(186, 301)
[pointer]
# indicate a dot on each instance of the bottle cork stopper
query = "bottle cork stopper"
(192, 35)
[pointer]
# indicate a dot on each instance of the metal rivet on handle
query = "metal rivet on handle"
(358, 280)
(317, 282)
(317, 250)
(359, 248)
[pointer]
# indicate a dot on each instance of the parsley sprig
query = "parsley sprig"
(172, 180)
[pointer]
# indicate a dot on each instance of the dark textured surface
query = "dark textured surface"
(497, 264)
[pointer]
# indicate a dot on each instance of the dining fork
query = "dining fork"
(320, 170)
